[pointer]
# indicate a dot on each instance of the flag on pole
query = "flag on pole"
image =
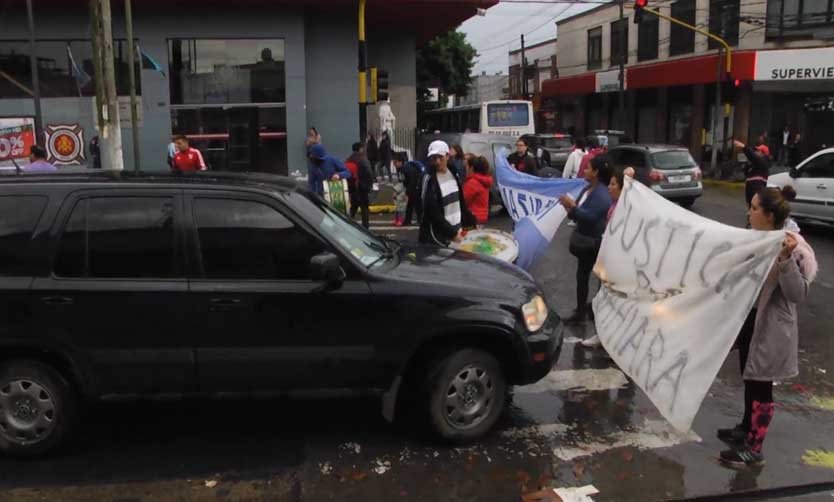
(533, 204)
(81, 77)
(148, 63)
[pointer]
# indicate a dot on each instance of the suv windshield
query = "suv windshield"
(349, 236)
(565, 142)
(673, 159)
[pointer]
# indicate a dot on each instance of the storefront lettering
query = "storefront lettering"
(802, 73)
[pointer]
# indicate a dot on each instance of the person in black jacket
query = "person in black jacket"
(444, 209)
(757, 172)
(385, 155)
(372, 151)
(362, 186)
(522, 159)
(412, 172)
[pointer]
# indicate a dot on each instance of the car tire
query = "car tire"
(38, 408)
(464, 393)
(687, 203)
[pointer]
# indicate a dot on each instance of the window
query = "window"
(508, 115)
(819, 167)
(127, 237)
(682, 40)
(242, 239)
(723, 21)
(595, 48)
(673, 159)
(648, 38)
(20, 215)
(800, 18)
(226, 71)
(630, 158)
(55, 74)
(619, 42)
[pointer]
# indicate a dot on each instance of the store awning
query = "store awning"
(676, 72)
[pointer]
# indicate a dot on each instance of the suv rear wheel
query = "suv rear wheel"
(465, 392)
(37, 408)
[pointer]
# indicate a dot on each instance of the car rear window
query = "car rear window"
(673, 159)
(19, 214)
(557, 142)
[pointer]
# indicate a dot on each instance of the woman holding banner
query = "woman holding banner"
(768, 341)
(590, 214)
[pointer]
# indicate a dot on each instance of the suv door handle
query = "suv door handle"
(822, 186)
(57, 300)
(223, 304)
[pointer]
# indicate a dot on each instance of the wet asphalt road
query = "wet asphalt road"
(583, 425)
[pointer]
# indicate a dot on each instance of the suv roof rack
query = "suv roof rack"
(88, 174)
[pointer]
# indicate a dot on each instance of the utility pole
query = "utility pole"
(33, 63)
(623, 55)
(363, 75)
(523, 71)
(134, 118)
(107, 101)
(713, 162)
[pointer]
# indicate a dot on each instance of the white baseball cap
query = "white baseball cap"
(438, 148)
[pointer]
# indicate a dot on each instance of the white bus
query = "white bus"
(509, 117)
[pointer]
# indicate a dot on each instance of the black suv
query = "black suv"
(124, 286)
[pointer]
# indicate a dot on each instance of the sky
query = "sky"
(499, 32)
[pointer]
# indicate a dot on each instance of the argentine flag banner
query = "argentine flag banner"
(533, 203)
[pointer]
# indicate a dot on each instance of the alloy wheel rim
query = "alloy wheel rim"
(27, 411)
(469, 398)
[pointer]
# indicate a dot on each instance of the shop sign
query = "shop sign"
(609, 81)
(795, 64)
(64, 144)
(17, 135)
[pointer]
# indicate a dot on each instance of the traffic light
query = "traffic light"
(638, 10)
(731, 88)
(379, 85)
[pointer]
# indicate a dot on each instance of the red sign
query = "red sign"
(15, 142)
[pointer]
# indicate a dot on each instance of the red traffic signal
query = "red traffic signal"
(638, 10)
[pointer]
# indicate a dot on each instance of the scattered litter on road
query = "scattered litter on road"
(577, 494)
(211, 483)
(585, 379)
(819, 458)
(326, 468)
(382, 467)
(825, 403)
(354, 447)
(653, 434)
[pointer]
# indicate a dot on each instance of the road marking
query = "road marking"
(584, 379)
(394, 228)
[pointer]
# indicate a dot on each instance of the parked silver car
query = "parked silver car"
(669, 170)
(813, 180)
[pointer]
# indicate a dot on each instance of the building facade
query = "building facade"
(243, 81)
(485, 88)
(541, 66)
(782, 73)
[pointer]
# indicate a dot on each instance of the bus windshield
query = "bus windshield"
(508, 115)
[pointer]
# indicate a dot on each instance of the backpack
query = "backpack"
(365, 177)
(353, 167)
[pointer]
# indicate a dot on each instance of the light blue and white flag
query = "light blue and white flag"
(533, 203)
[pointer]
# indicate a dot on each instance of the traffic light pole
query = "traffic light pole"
(729, 66)
(623, 53)
(363, 76)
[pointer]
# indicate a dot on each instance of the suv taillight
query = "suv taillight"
(696, 175)
(656, 175)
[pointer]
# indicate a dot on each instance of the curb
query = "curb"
(735, 185)
(381, 208)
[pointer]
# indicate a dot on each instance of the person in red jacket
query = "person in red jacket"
(186, 159)
(476, 189)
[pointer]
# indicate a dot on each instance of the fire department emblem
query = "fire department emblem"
(65, 144)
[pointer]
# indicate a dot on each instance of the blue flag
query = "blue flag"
(149, 63)
(81, 77)
(533, 203)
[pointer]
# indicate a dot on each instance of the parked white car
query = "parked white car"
(813, 180)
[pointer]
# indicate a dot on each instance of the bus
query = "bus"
(507, 117)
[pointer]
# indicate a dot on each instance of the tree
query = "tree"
(446, 63)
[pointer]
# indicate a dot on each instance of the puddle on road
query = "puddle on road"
(584, 379)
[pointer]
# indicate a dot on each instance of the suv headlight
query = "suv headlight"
(535, 313)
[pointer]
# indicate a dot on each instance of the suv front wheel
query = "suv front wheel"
(465, 392)
(37, 408)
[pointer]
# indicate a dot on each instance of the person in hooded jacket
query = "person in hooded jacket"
(444, 208)
(412, 172)
(324, 167)
(769, 339)
(476, 189)
(361, 183)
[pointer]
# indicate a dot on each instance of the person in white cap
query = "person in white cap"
(444, 209)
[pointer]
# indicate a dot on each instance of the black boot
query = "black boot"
(735, 436)
(579, 316)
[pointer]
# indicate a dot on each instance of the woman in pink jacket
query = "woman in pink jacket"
(768, 341)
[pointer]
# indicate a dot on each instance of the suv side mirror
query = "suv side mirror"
(327, 268)
(794, 172)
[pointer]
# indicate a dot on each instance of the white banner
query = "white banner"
(677, 288)
(795, 64)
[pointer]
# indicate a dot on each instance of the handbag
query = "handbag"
(581, 244)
